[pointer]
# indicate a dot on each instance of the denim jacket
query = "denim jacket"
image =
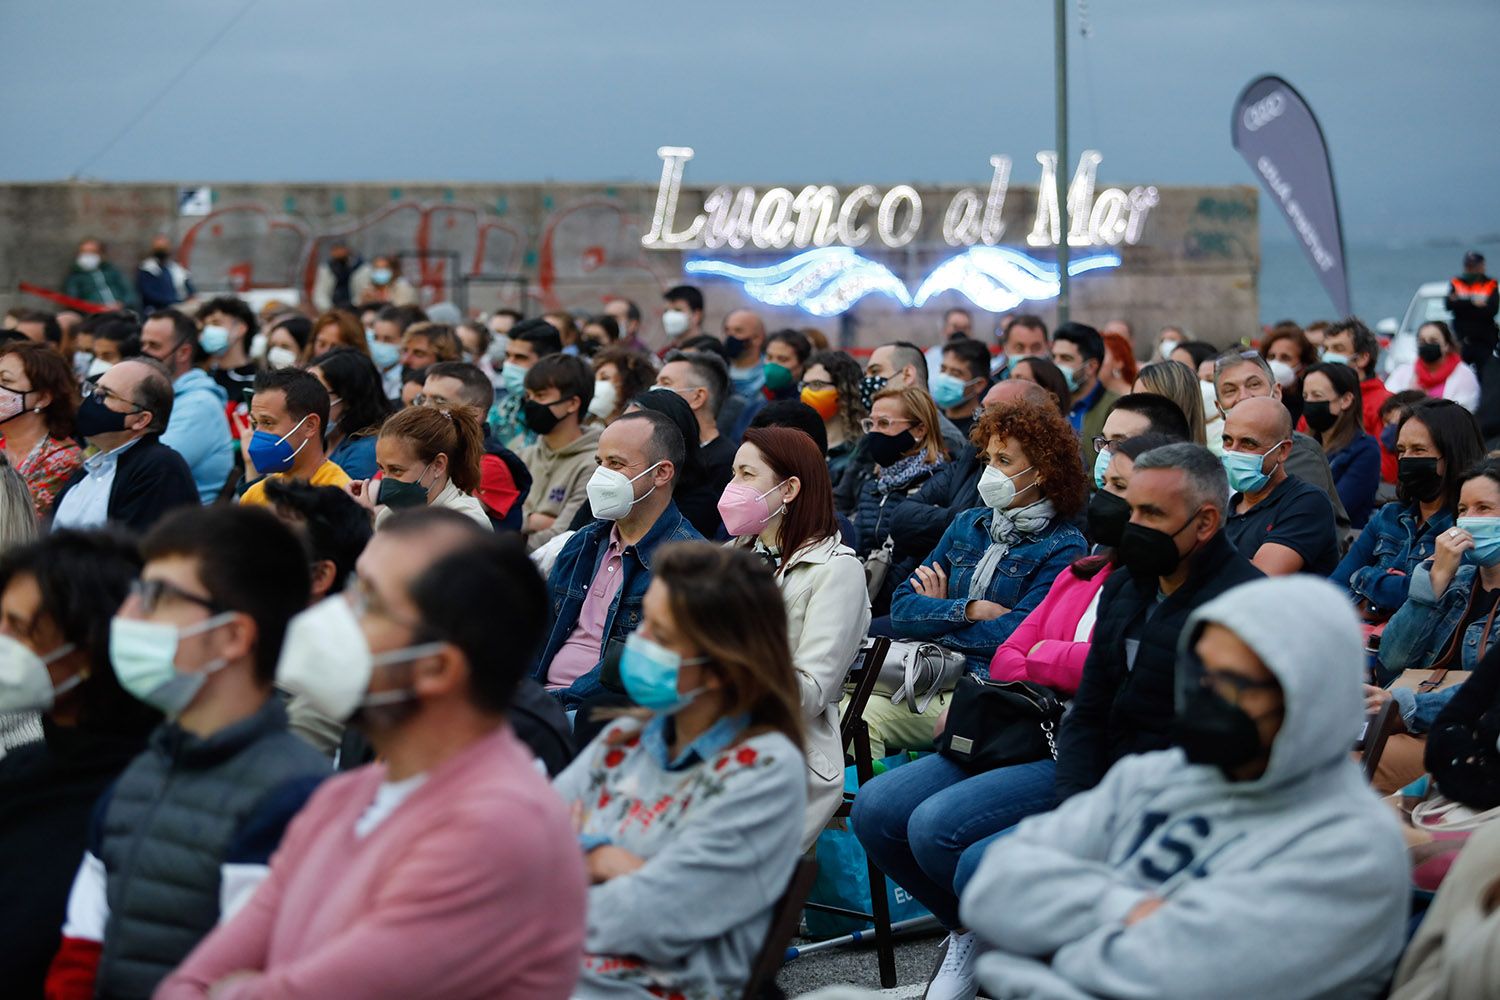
(1378, 566)
(1020, 582)
(1421, 632)
(574, 571)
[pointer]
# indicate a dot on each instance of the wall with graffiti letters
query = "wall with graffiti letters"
(562, 246)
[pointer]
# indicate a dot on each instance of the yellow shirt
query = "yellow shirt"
(327, 474)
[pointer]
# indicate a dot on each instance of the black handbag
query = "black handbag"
(999, 723)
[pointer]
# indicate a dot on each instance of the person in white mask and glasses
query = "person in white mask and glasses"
(170, 847)
(601, 575)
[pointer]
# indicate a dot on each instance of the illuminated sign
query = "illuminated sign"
(829, 280)
(822, 216)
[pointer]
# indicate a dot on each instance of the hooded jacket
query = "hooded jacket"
(199, 432)
(559, 483)
(1291, 885)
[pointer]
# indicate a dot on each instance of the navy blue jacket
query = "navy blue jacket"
(574, 571)
(1356, 475)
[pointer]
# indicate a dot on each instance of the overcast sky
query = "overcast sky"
(807, 91)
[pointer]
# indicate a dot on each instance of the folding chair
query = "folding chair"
(1378, 729)
(855, 732)
(784, 920)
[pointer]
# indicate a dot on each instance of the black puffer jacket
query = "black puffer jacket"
(1123, 708)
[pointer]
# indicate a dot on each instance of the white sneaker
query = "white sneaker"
(955, 977)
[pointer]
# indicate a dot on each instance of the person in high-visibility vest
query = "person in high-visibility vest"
(1473, 299)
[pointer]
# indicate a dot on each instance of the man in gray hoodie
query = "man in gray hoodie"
(1251, 860)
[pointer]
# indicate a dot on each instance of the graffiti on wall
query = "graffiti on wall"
(584, 250)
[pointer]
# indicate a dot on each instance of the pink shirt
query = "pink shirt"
(471, 889)
(1052, 628)
(580, 653)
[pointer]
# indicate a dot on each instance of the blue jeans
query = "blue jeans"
(927, 823)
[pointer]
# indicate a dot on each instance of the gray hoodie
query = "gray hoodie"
(1293, 885)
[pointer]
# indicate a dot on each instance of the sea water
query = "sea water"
(1382, 278)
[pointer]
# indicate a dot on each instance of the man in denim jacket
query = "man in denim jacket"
(601, 574)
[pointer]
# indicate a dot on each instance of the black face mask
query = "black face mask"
(1108, 515)
(887, 449)
(539, 416)
(1150, 554)
(94, 418)
(1430, 352)
(1318, 415)
(734, 347)
(1417, 477)
(869, 386)
(1212, 731)
(161, 255)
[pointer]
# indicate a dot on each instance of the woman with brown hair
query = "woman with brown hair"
(620, 375)
(426, 456)
(780, 505)
(1289, 353)
(338, 328)
(689, 817)
(38, 398)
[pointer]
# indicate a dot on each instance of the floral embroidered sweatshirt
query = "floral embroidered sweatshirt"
(719, 829)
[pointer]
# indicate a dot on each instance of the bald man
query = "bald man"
(744, 342)
(1277, 521)
(918, 521)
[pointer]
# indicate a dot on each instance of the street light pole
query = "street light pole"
(1060, 63)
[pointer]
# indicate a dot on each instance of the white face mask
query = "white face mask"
(98, 366)
(25, 684)
(281, 357)
(611, 494)
(1167, 347)
(1285, 375)
(258, 345)
(675, 322)
(326, 659)
(88, 261)
(605, 397)
(997, 489)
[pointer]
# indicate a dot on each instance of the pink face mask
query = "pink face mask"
(746, 512)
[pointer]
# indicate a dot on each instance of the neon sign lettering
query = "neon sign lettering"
(820, 216)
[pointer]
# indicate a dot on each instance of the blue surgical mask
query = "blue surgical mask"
(1071, 376)
(144, 655)
(1486, 534)
(513, 378)
(947, 391)
(1101, 463)
(214, 339)
(270, 453)
(381, 275)
(384, 355)
(1388, 436)
(1335, 358)
(1245, 471)
(649, 672)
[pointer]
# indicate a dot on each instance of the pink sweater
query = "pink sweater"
(1057, 660)
(472, 888)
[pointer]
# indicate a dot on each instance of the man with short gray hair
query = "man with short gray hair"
(129, 478)
(1174, 557)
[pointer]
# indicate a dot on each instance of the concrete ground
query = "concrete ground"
(858, 966)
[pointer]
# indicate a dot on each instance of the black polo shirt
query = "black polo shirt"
(1296, 515)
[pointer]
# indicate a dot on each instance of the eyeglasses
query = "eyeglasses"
(151, 592)
(1100, 442)
(1220, 681)
(90, 389)
(423, 399)
(881, 424)
(816, 385)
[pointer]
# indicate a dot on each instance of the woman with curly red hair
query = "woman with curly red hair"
(993, 566)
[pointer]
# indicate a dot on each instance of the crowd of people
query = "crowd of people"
(368, 649)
